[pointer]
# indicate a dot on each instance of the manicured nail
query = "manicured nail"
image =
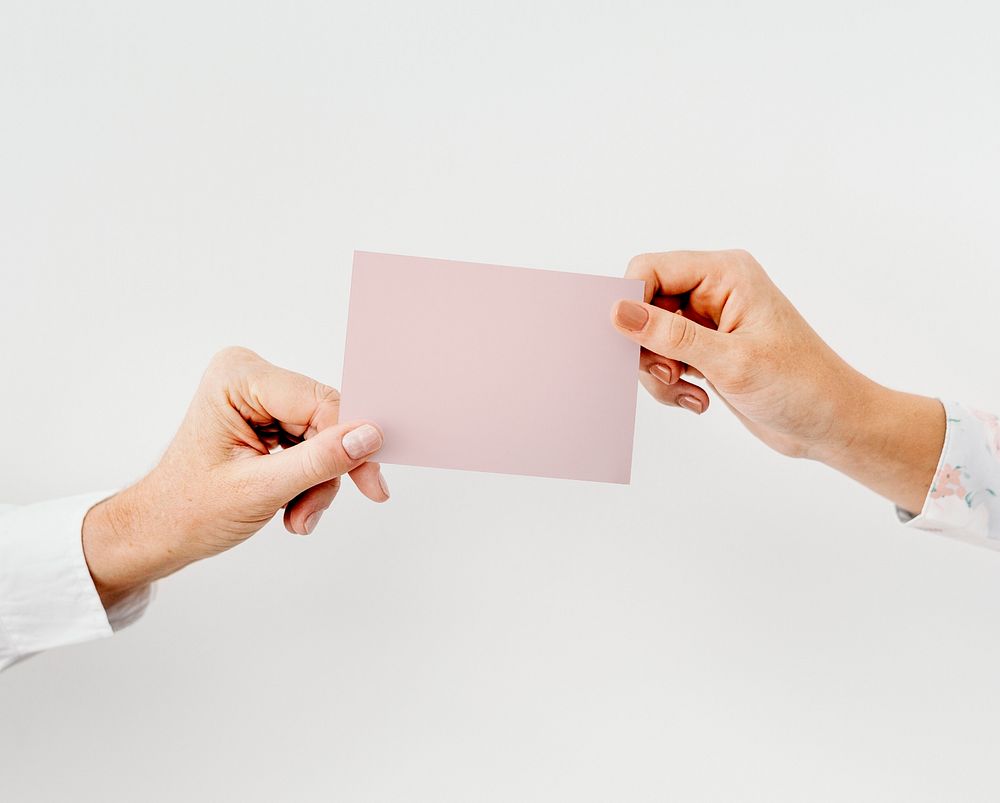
(312, 521)
(382, 484)
(631, 316)
(691, 403)
(662, 373)
(362, 441)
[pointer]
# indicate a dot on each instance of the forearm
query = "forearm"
(890, 442)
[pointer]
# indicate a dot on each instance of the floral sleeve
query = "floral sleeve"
(962, 501)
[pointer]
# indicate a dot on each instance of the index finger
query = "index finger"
(673, 273)
(305, 408)
(262, 392)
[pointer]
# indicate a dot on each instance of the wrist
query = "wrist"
(889, 441)
(124, 547)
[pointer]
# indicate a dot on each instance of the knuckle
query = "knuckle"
(230, 353)
(637, 264)
(317, 465)
(680, 333)
(325, 393)
(230, 356)
(745, 262)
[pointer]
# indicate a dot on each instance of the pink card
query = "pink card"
(490, 368)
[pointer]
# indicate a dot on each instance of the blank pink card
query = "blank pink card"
(491, 368)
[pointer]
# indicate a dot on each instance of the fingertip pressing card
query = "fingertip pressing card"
(491, 368)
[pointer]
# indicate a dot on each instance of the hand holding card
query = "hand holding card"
(491, 368)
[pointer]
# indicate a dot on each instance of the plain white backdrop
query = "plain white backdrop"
(734, 626)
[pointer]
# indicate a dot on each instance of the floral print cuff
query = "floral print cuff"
(962, 501)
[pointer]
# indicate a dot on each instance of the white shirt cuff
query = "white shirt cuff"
(47, 596)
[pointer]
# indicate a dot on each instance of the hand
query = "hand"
(219, 482)
(717, 315)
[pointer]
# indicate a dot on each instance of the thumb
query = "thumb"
(327, 454)
(669, 334)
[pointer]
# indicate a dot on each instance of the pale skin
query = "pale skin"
(256, 439)
(718, 316)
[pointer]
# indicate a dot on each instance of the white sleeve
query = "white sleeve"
(47, 596)
(962, 502)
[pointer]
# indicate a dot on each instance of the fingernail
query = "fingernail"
(362, 441)
(631, 316)
(691, 403)
(662, 373)
(312, 521)
(382, 485)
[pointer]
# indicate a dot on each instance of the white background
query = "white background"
(733, 626)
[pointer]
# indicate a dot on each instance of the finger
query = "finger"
(674, 273)
(664, 369)
(370, 481)
(264, 393)
(686, 310)
(302, 514)
(680, 394)
(302, 405)
(714, 288)
(330, 453)
(669, 334)
(677, 368)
